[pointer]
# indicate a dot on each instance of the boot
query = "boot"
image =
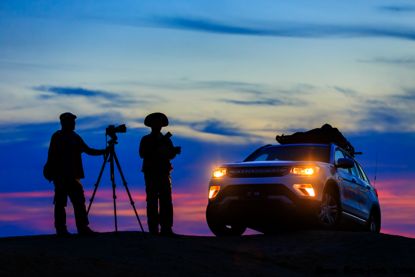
(87, 232)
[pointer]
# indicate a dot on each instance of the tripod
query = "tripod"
(111, 157)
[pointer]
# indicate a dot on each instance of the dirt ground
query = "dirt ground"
(321, 253)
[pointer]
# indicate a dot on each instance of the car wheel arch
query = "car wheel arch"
(332, 185)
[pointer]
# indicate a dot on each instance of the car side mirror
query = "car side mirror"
(344, 163)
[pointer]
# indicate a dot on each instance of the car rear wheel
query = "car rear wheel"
(330, 209)
(373, 224)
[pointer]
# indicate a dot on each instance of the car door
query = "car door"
(365, 192)
(360, 192)
(348, 186)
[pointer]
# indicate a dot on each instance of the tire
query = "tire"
(373, 224)
(329, 214)
(222, 229)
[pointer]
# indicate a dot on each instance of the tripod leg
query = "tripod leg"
(128, 191)
(97, 184)
(114, 196)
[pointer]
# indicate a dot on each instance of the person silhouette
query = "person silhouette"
(157, 150)
(64, 168)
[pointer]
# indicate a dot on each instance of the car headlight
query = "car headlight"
(219, 172)
(213, 191)
(305, 170)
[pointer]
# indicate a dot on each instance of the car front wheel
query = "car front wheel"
(330, 209)
(222, 229)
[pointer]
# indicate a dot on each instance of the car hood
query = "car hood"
(271, 163)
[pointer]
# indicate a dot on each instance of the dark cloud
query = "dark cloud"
(35, 132)
(244, 87)
(387, 117)
(74, 91)
(345, 91)
(405, 61)
(299, 30)
(393, 113)
(113, 99)
(398, 8)
(407, 97)
(264, 102)
(213, 126)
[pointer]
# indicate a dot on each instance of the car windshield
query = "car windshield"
(319, 153)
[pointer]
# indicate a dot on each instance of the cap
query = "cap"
(66, 116)
(156, 119)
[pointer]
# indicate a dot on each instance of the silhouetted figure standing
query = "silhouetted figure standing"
(64, 168)
(157, 150)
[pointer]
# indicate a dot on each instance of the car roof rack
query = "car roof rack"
(326, 134)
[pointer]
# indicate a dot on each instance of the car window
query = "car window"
(292, 153)
(362, 173)
(338, 154)
(262, 157)
(355, 171)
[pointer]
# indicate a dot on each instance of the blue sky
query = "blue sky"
(229, 74)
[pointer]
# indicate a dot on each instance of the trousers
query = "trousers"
(72, 188)
(159, 202)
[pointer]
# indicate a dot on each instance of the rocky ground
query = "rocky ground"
(321, 253)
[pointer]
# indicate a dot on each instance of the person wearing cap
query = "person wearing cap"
(157, 151)
(65, 170)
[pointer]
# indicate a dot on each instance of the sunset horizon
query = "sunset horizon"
(229, 75)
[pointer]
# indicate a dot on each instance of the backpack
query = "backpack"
(48, 172)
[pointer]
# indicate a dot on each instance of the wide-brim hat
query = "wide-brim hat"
(67, 116)
(156, 119)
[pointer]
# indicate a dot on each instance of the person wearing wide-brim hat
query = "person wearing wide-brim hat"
(157, 151)
(64, 168)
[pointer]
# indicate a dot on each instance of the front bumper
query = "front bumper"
(259, 205)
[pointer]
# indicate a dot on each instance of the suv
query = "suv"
(291, 183)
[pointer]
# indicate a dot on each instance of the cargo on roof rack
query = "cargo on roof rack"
(326, 134)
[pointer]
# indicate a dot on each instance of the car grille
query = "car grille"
(254, 172)
(256, 191)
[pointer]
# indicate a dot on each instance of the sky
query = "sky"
(230, 75)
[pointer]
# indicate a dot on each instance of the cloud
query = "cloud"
(112, 99)
(407, 97)
(23, 65)
(345, 91)
(295, 30)
(393, 113)
(263, 102)
(398, 8)
(214, 126)
(35, 132)
(74, 91)
(404, 61)
(243, 87)
(218, 127)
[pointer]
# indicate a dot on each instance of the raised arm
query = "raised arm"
(91, 151)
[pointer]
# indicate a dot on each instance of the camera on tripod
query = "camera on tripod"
(111, 158)
(112, 131)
